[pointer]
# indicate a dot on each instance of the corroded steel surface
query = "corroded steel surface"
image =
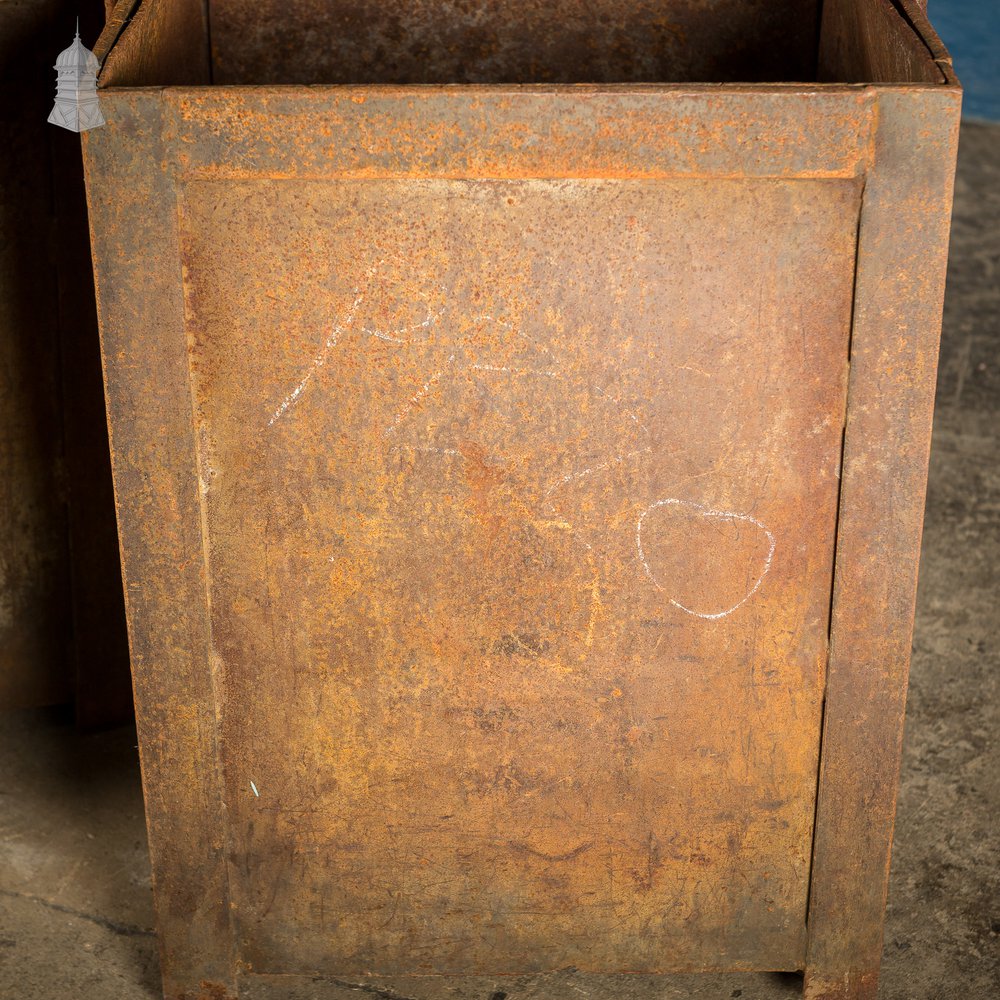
(503, 514)
(519, 549)
(893, 368)
(518, 132)
(531, 41)
(861, 41)
(161, 43)
(477, 455)
(133, 220)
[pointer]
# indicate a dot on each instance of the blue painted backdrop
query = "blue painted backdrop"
(971, 31)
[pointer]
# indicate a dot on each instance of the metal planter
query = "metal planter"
(520, 466)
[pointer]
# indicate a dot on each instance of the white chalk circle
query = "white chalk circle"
(719, 515)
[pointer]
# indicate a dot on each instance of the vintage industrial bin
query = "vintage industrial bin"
(520, 418)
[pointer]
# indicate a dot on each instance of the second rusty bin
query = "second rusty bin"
(520, 442)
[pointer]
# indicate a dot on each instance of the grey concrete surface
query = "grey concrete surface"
(75, 909)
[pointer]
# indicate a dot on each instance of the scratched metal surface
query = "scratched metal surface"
(519, 504)
(491, 41)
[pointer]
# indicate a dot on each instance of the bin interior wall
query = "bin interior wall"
(493, 41)
(181, 42)
(875, 41)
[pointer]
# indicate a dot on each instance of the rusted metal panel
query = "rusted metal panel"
(495, 527)
(861, 41)
(903, 246)
(165, 43)
(133, 231)
(903, 238)
(479, 504)
(524, 132)
(532, 41)
(584, 661)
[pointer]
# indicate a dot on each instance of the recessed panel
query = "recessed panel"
(519, 502)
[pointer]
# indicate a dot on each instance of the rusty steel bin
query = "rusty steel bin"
(520, 417)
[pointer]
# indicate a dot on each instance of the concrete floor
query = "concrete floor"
(75, 907)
